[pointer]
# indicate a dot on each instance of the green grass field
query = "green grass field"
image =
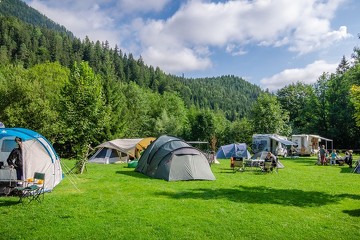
(302, 201)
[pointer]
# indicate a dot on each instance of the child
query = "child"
(333, 157)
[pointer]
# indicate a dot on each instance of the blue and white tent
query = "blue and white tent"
(38, 154)
(233, 150)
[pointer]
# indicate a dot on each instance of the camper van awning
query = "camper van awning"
(315, 136)
(326, 139)
(283, 141)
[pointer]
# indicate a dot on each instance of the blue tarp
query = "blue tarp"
(233, 150)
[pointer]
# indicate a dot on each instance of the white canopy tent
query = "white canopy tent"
(119, 150)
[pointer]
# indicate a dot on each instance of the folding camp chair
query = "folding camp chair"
(34, 189)
(265, 166)
(237, 164)
(268, 167)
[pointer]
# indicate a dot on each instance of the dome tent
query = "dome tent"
(173, 159)
(261, 156)
(233, 150)
(38, 154)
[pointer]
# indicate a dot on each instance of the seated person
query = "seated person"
(270, 158)
(342, 160)
(232, 162)
(348, 158)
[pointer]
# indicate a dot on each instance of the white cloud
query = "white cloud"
(186, 41)
(119, 6)
(235, 50)
(176, 60)
(308, 75)
(96, 19)
(83, 20)
(131, 6)
(303, 27)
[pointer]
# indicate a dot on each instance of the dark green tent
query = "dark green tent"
(173, 159)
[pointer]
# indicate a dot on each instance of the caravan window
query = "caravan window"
(8, 145)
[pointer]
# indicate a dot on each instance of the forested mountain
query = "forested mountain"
(232, 94)
(137, 100)
(79, 93)
(29, 45)
(27, 14)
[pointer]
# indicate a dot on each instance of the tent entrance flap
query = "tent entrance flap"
(283, 141)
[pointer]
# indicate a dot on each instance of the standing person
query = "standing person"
(322, 155)
(15, 159)
(333, 157)
(318, 157)
(350, 158)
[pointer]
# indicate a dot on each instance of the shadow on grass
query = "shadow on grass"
(352, 196)
(306, 162)
(227, 170)
(132, 174)
(5, 201)
(346, 169)
(353, 213)
(263, 195)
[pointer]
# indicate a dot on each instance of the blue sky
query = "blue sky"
(270, 43)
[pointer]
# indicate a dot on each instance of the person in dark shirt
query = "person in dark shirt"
(323, 155)
(270, 158)
(15, 159)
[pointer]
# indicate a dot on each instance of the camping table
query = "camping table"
(7, 179)
(7, 175)
(253, 162)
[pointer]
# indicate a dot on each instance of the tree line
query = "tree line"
(327, 107)
(76, 107)
(80, 93)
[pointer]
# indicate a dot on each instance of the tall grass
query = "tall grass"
(302, 201)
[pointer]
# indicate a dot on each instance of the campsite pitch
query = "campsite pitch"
(302, 201)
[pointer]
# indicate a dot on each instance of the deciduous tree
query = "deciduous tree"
(268, 117)
(83, 112)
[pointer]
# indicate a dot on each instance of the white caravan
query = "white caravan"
(271, 142)
(308, 144)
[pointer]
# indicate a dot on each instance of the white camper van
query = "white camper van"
(308, 144)
(271, 142)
